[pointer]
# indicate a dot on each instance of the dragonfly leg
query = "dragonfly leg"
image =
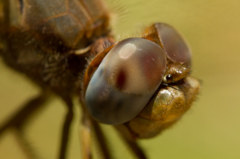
(66, 128)
(85, 132)
(26, 147)
(101, 140)
(87, 125)
(132, 143)
(22, 116)
(20, 119)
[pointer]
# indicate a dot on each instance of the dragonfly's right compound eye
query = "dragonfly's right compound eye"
(126, 79)
(176, 48)
(177, 51)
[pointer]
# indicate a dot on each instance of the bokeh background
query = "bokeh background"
(210, 129)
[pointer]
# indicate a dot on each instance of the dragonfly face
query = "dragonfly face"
(142, 84)
(158, 85)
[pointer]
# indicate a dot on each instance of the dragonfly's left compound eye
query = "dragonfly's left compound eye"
(125, 80)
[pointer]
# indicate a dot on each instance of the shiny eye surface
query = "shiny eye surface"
(125, 80)
(175, 46)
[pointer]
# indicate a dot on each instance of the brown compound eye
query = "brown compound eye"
(175, 46)
(176, 49)
(125, 80)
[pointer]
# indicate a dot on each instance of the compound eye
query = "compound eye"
(125, 80)
(175, 46)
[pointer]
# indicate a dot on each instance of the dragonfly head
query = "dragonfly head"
(122, 80)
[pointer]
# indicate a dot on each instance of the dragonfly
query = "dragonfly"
(139, 85)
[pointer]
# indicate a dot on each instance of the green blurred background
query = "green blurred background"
(210, 129)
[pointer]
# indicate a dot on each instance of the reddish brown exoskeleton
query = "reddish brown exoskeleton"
(139, 85)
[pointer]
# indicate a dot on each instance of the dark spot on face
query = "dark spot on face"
(169, 77)
(121, 79)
